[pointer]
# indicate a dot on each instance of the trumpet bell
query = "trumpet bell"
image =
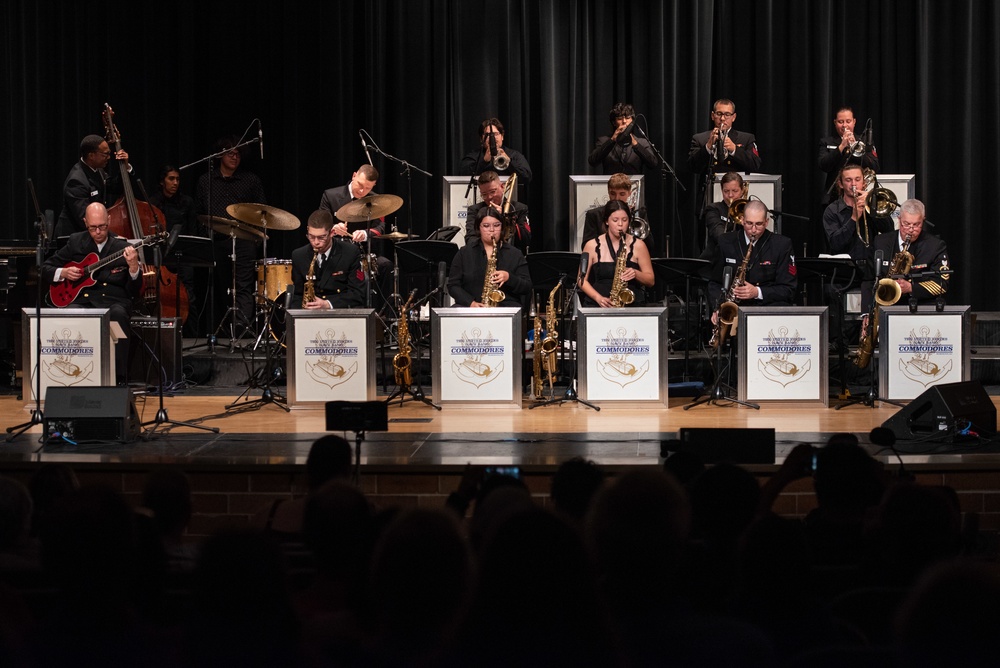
(501, 162)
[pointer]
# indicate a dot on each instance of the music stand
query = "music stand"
(672, 270)
(826, 269)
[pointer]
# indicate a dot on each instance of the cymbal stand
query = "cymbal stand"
(232, 312)
(268, 396)
(570, 395)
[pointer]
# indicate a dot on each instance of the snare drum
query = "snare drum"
(273, 278)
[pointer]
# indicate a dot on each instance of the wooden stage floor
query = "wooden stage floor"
(421, 436)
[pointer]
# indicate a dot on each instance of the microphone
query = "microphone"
(626, 134)
(365, 146)
(584, 261)
(442, 274)
(868, 135)
(260, 139)
(879, 258)
(493, 146)
(727, 278)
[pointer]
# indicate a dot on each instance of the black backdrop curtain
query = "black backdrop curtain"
(420, 75)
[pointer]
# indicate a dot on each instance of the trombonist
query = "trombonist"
(842, 149)
(492, 154)
(492, 192)
(849, 226)
(468, 278)
(717, 219)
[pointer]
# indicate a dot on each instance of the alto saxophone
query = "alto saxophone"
(402, 360)
(621, 294)
(309, 287)
(492, 296)
(537, 386)
(551, 341)
(728, 309)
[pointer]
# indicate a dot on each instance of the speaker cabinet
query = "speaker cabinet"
(91, 414)
(945, 410)
(144, 356)
(715, 445)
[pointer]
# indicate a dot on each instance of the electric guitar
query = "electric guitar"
(64, 292)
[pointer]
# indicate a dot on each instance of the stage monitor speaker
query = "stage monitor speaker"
(91, 414)
(945, 410)
(714, 445)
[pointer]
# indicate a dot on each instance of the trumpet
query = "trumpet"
(857, 148)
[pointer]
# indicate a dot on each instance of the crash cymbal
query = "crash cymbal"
(262, 215)
(371, 207)
(395, 236)
(231, 227)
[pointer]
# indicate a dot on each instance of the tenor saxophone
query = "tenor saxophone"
(309, 287)
(492, 296)
(402, 360)
(537, 386)
(621, 294)
(885, 293)
(728, 309)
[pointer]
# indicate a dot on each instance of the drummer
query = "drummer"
(361, 184)
(338, 281)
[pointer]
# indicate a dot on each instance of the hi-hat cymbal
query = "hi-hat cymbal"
(371, 207)
(231, 227)
(262, 215)
(395, 236)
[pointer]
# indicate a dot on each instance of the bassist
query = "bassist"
(117, 285)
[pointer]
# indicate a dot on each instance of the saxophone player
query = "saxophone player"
(930, 257)
(338, 282)
(770, 268)
(469, 268)
(637, 270)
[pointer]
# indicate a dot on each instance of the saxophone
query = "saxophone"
(551, 341)
(885, 293)
(537, 386)
(491, 295)
(401, 362)
(728, 309)
(309, 287)
(621, 294)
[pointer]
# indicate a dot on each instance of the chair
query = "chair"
(444, 233)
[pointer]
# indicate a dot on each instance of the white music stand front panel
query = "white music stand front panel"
(77, 349)
(331, 356)
(922, 348)
(587, 191)
(477, 356)
(783, 354)
(623, 355)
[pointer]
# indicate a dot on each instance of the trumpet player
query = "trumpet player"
(844, 148)
(604, 253)
(622, 151)
(492, 154)
(722, 149)
(468, 269)
(770, 277)
(927, 280)
(491, 190)
(338, 281)
(848, 226)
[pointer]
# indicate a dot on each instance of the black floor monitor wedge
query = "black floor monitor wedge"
(944, 411)
(91, 414)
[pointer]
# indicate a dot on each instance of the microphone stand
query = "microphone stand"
(665, 168)
(407, 167)
(719, 388)
(161, 414)
(37, 417)
(570, 394)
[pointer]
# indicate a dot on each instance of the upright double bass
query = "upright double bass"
(134, 220)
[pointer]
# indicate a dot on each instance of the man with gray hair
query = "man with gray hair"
(927, 279)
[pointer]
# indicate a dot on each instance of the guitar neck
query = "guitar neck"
(117, 255)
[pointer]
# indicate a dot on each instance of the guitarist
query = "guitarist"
(117, 285)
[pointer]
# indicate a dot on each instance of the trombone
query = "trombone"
(509, 188)
(639, 227)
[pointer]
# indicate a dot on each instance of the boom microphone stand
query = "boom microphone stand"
(43, 226)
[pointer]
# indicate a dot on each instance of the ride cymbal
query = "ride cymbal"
(262, 215)
(233, 228)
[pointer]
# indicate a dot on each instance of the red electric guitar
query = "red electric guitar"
(64, 292)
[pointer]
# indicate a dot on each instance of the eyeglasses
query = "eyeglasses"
(97, 228)
(910, 226)
(106, 154)
(487, 134)
(317, 237)
(723, 114)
